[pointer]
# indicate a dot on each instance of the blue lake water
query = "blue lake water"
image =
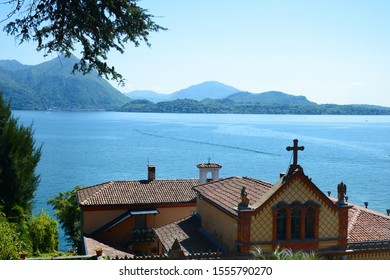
(94, 147)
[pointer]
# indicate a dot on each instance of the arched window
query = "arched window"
(296, 223)
(310, 222)
(281, 224)
(296, 220)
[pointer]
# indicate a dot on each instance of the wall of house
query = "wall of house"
(120, 234)
(262, 223)
(218, 224)
(170, 214)
(93, 220)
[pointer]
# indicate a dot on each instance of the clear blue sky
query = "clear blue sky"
(330, 51)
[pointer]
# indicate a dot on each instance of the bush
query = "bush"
(44, 234)
(9, 241)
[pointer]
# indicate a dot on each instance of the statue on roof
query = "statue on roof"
(244, 199)
(341, 191)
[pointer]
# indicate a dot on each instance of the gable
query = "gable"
(298, 187)
(296, 190)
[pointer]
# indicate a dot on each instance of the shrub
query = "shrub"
(9, 241)
(44, 233)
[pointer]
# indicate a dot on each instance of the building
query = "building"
(232, 215)
(121, 214)
(239, 214)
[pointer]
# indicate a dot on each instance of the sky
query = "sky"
(331, 51)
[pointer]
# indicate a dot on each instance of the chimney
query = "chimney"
(205, 168)
(151, 172)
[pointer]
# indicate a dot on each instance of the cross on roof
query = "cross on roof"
(295, 150)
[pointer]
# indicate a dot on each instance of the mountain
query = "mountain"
(52, 86)
(205, 90)
(268, 98)
(148, 95)
(210, 90)
(12, 65)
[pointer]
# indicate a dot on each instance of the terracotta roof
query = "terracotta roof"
(365, 225)
(139, 192)
(226, 193)
(108, 250)
(187, 232)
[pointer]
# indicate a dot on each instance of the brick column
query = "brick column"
(343, 226)
(244, 232)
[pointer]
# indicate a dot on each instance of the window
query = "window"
(296, 220)
(140, 222)
(296, 223)
(309, 222)
(281, 224)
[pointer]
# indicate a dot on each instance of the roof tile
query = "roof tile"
(367, 225)
(138, 192)
(226, 193)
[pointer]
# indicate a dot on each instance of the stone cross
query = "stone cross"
(295, 150)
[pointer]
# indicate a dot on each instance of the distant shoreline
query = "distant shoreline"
(219, 113)
(230, 107)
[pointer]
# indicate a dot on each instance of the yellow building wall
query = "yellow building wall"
(171, 214)
(120, 234)
(93, 220)
(218, 224)
(261, 224)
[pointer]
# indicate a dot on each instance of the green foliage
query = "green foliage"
(19, 157)
(228, 106)
(44, 233)
(284, 254)
(69, 214)
(10, 244)
(98, 26)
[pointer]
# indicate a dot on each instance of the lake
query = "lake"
(87, 148)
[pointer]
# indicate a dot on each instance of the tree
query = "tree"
(99, 26)
(19, 157)
(69, 215)
(44, 233)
